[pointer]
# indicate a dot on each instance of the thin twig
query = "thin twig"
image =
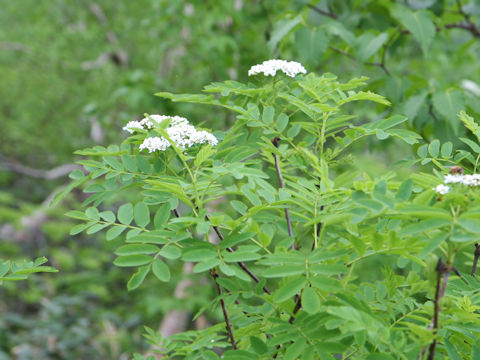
(224, 310)
(323, 12)
(475, 259)
(298, 305)
(350, 56)
(282, 185)
(240, 263)
(469, 26)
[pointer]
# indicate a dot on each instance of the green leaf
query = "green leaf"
(282, 122)
(425, 212)
(310, 301)
(284, 270)
(328, 269)
(161, 216)
(424, 225)
(94, 188)
(422, 151)
(141, 214)
(452, 352)
(280, 30)
(113, 162)
(78, 229)
(326, 284)
(311, 44)
(170, 252)
(152, 237)
(268, 114)
(131, 249)
(365, 95)
(238, 256)
(203, 154)
(137, 279)
(125, 214)
(108, 216)
(4, 267)
(198, 254)
(418, 23)
(405, 190)
(294, 350)
(258, 345)
(129, 163)
(471, 225)
(473, 145)
(161, 270)
(446, 150)
(115, 231)
(132, 260)
(368, 44)
(288, 290)
(470, 124)
(449, 103)
(413, 105)
(75, 214)
(239, 206)
(434, 148)
(205, 265)
(96, 228)
(92, 213)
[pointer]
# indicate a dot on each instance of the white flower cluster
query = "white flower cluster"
(270, 68)
(467, 180)
(146, 123)
(442, 189)
(179, 131)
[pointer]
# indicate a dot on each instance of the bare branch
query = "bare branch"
(51, 174)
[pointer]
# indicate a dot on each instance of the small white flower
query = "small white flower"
(153, 144)
(471, 180)
(270, 68)
(132, 125)
(441, 189)
(179, 130)
(453, 179)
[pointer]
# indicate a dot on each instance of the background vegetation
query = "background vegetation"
(73, 73)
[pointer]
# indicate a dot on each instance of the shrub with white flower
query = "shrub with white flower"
(179, 131)
(270, 68)
(466, 180)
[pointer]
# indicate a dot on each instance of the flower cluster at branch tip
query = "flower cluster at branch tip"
(467, 180)
(179, 130)
(270, 68)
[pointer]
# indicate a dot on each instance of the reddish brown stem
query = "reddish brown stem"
(224, 310)
(442, 271)
(298, 305)
(475, 259)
